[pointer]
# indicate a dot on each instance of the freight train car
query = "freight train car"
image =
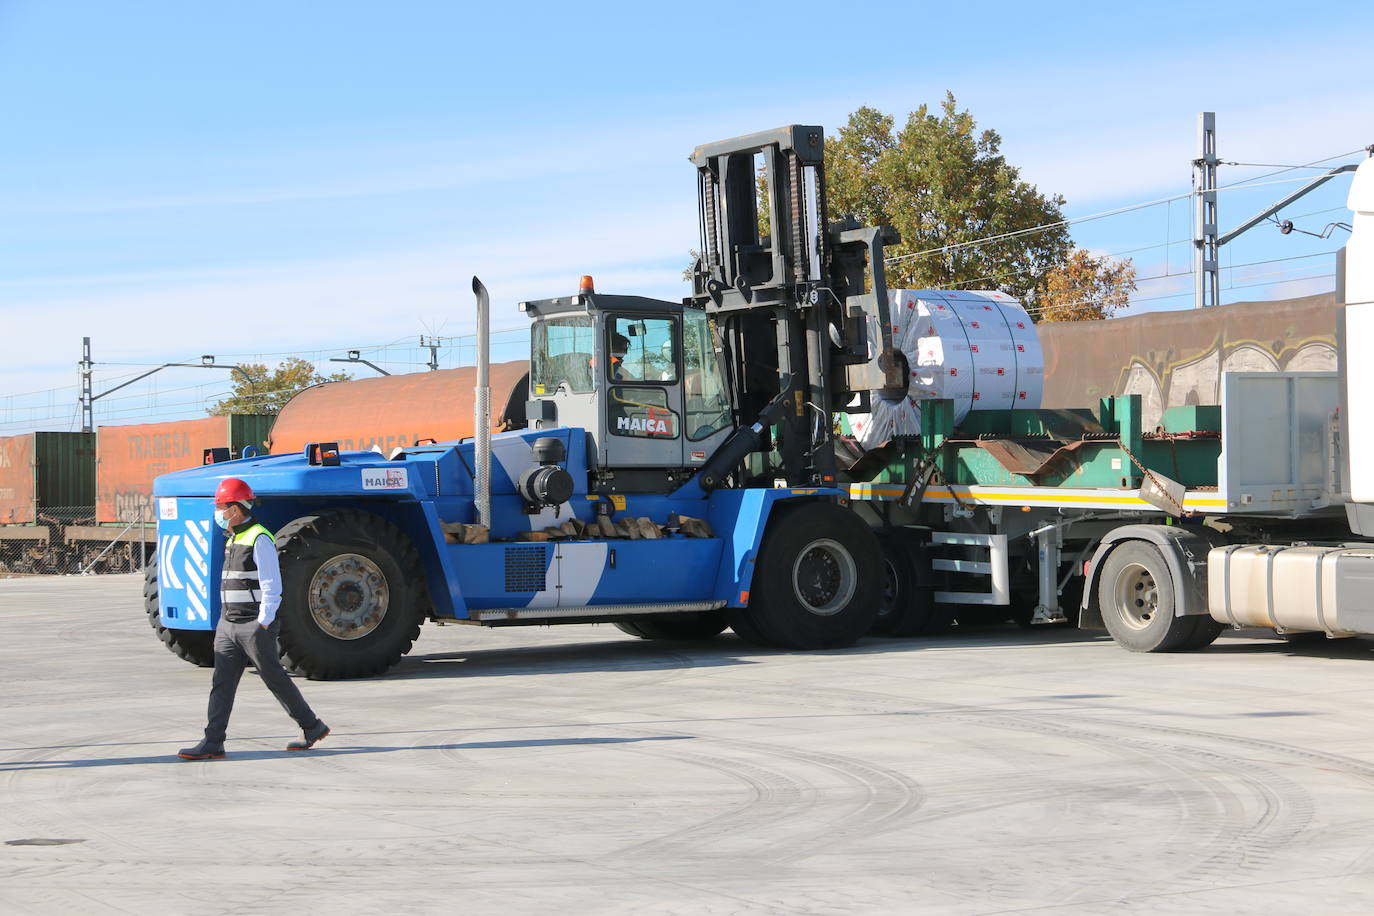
(47, 482)
(77, 502)
(130, 457)
(396, 411)
(1171, 359)
(1175, 359)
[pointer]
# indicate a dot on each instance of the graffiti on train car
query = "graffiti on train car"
(154, 446)
(132, 457)
(133, 506)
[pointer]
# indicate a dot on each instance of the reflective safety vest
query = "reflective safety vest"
(240, 591)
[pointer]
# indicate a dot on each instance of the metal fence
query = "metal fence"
(66, 540)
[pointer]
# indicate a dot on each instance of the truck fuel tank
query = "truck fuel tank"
(1292, 588)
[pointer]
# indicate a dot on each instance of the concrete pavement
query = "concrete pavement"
(579, 770)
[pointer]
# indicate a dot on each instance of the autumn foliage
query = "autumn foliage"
(1085, 288)
(270, 389)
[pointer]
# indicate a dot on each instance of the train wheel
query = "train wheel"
(818, 580)
(694, 626)
(353, 595)
(194, 646)
(1136, 594)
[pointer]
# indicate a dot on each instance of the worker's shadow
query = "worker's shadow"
(317, 752)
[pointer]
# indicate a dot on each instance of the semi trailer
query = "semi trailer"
(684, 467)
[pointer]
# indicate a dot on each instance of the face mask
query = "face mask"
(220, 519)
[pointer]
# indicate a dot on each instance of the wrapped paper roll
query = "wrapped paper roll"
(976, 348)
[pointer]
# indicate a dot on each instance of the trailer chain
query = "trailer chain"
(927, 473)
(797, 206)
(916, 490)
(1146, 472)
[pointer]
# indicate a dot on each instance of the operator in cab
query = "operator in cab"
(620, 346)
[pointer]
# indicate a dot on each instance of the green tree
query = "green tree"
(1085, 288)
(966, 218)
(271, 388)
(948, 190)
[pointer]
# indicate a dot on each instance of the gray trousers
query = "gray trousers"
(238, 645)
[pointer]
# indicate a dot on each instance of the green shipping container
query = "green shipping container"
(47, 473)
(249, 429)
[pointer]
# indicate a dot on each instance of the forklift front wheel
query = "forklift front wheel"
(353, 594)
(818, 580)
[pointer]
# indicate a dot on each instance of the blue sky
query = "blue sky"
(266, 179)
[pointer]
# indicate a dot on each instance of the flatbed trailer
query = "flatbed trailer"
(1235, 514)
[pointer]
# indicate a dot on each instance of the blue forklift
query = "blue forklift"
(675, 472)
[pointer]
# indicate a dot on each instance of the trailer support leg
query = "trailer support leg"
(1050, 542)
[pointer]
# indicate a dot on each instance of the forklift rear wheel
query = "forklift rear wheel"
(353, 595)
(194, 646)
(1136, 594)
(818, 580)
(684, 627)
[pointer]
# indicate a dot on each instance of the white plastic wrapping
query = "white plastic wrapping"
(977, 348)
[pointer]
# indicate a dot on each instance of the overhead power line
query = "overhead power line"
(1245, 184)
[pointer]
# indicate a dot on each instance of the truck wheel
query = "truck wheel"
(907, 604)
(817, 582)
(1206, 632)
(194, 646)
(1136, 594)
(683, 627)
(353, 595)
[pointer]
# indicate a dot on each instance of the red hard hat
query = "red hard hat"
(232, 490)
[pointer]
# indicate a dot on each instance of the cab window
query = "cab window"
(641, 349)
(561, 353)
(703, 389)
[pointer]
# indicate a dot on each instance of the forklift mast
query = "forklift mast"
(801, 313)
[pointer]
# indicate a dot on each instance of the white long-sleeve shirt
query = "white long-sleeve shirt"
(269, 578)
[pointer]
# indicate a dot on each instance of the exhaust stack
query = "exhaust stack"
(482, 408)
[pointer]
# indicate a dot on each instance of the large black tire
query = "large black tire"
(907, 604)
(1136, 594)
(745, 628)
(695, 626)
(353, 595)
(194, 646)
(1206, 632)
(817, 582)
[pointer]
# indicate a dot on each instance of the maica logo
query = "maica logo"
(648, 426)
(385, 479)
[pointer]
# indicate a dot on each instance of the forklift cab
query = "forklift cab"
(640, 375)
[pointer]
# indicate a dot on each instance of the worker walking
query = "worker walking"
(250, 592)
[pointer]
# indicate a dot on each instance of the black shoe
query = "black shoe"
(206, 750)
(313, 736)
